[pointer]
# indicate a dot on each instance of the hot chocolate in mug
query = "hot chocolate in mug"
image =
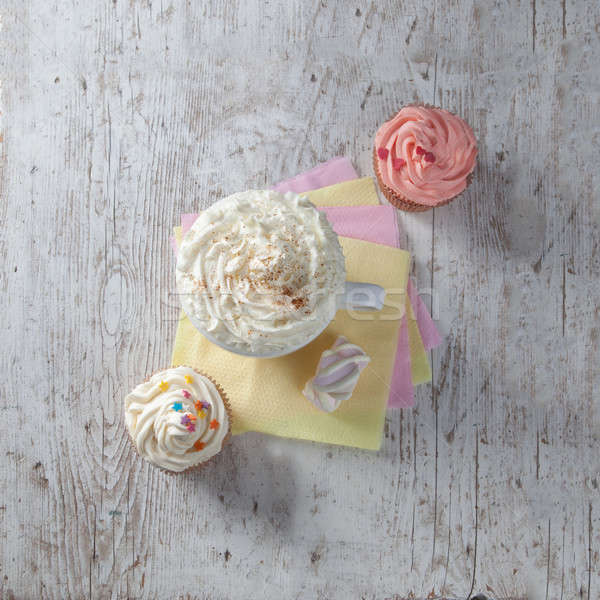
(262, 274)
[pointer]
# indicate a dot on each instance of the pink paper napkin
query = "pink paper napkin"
(431, 336)
(333, 171)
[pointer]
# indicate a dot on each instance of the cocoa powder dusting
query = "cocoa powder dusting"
(299, 303)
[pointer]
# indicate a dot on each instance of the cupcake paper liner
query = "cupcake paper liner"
(226, 439)
(397, 199)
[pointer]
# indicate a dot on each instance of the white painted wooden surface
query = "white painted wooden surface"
(117, 117)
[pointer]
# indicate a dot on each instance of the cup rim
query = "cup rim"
(247, 353)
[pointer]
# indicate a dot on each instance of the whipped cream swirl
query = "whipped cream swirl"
(177, 419)
(425, 154)
(337, 375)
(259, 271)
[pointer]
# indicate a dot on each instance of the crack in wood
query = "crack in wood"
(412, 540)
(562, 566)
(533, 25)
(435, 478)
(564, 294)
(476, 512)
(589, 580)
(442, 591)
(548, 562)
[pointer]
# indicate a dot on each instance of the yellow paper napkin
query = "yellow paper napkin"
(356, 192)
(361, 192)
(266, 394)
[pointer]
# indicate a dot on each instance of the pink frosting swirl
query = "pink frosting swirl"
(425, 154)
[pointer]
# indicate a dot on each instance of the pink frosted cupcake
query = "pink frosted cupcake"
(423, 157)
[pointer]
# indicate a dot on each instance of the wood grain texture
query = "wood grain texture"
(117, 117)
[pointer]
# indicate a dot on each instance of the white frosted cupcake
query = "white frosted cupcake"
(178, 419)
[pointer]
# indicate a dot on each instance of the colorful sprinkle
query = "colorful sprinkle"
(420, 151)
(205, 405)
(185, 420)
(398, 163)
(186, 394)
(189, 379)
(198, 405)
(430, 157)
(382, 153)
(199, 445)
(201, 414)
(191, 428)
(164, 386)
(214, 424)
(177, 406)
(193, 417)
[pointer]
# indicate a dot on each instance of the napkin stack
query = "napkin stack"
(266, 394)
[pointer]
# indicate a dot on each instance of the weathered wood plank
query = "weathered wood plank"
(119, 116)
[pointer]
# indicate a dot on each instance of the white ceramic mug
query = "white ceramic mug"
(356, 296)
